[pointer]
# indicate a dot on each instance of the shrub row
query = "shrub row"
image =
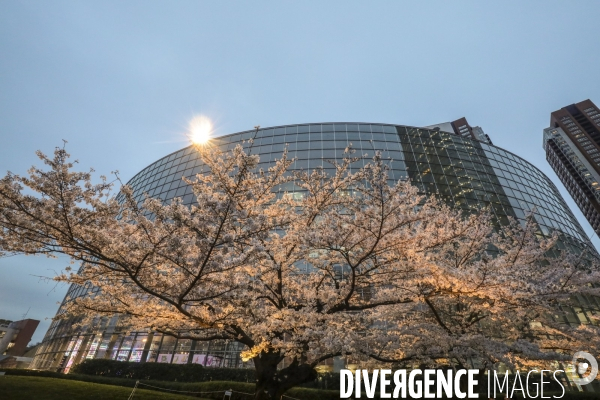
(163, 372)
(185, 373)
(198, 373)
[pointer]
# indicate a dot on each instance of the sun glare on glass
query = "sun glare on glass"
(200, 129)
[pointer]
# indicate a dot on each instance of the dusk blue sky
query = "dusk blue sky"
(119, 80)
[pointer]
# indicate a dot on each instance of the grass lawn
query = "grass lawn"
(31, 387)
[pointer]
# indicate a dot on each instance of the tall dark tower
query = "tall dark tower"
(572, 144)
(462, 128)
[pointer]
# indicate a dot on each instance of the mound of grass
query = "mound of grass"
(30, 387)
(45, 385)
(211, 386)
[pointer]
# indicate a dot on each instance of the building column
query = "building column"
(82, 349)
(111, 344)
(191, 355)
(207, 352)
(131, 347)
(174, 350)
(59, 355)
(147, 347)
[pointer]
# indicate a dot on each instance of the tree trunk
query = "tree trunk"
(271, 383)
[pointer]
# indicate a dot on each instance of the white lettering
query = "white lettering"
(345, 377)
(384, 382)
(561, 385)
(497, 382)
(370, 384)
(542, 384)
(534, 384)
(358, 385)
(428, 380)
(517, 379)
(411, 384)
(459, 394)
(431, 384)
(472, 383)
(445, 383)
(400, 383)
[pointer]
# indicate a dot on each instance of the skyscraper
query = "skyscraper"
(572, 144)
(462, 128)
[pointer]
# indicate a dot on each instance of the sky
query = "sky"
(120, 81)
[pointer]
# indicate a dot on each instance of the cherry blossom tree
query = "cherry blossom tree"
(349, 266)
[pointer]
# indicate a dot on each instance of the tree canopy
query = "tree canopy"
(346, 266)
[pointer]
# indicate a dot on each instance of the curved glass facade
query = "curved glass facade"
(465, 173)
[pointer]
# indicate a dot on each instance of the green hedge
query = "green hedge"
(185, 373)
(198, 373)
(163, 372)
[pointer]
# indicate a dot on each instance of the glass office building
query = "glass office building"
(572, 145)
(464, 172)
